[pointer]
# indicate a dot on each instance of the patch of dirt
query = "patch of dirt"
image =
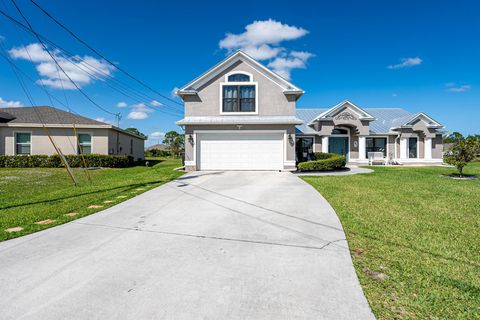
(47, 221)
(94, 206)
(71, 214)
(375, 275)
(358, 252)
(108, 201)
(14, 229)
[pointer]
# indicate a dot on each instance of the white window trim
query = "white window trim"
(286, 162)
(78, 143)
(388, 147)
(341, 135)
(418, 147)
(251, 83)
(239, 72)
(15, 142)
(307, 136)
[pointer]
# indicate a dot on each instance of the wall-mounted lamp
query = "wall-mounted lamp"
(290, 138)
(190, 139)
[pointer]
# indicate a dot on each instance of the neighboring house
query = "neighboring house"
(22, 133)
(240, 115)
(158, 146)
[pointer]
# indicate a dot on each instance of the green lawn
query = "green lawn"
(31, 195)
(421, 230)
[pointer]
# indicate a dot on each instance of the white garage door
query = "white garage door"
(240, 151)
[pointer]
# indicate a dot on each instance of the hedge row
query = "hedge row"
(323, 162)
(75, 161)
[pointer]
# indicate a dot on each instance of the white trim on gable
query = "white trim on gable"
(432, 123)
(192, 86)
(363, 115)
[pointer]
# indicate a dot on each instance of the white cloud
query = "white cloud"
(55, 78)
(453, 87)
(122, 104)
(104, 120)
(155, 103)
(284, 66)
(261, 40)
(156, 135)
(406, 63)
(10, 104)
(139, 112)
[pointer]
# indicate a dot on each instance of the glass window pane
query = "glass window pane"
(239, 77)
(23, 137)
(412, 147)
(84, 138)
(376, 145)
(85, 149)
(23, 149)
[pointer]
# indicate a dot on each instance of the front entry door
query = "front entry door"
(338, 145)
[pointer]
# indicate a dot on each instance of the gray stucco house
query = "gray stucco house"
(22, 133)
(239, 115)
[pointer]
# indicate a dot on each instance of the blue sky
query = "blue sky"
(417, 55)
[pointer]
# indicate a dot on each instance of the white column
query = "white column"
(403, 148)
(325, 144)
(362, 146)
(428, 148)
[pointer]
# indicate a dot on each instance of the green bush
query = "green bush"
(75, 161)
(324, 162)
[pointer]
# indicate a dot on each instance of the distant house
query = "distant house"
(22, 133)
(157, 146)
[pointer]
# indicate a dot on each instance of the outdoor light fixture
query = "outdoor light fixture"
(190, 139)
(290, 138)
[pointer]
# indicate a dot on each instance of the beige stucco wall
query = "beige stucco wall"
(66, 140)
(119, 144)
(271, 99)
(437, 147)
(190, 149)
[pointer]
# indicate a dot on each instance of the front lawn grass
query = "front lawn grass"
(420, 229)
(31, 195)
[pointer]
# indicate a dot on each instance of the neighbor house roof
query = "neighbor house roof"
(48, 115)
(193, 86)
(51, 117)
(385, 118)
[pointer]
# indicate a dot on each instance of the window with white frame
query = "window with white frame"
(412, 147)
(84, 143)
(23, 143)
(238, 94)
(376, 145)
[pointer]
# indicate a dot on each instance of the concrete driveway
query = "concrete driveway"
(216, 245)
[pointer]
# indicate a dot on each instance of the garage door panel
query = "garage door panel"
(240, 151)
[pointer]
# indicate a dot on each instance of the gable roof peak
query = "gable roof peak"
(192, 87)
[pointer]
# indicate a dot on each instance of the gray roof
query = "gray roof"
(386, 118)
(49, 115)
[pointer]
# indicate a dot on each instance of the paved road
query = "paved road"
(226, 245)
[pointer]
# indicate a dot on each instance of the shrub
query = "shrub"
(324, 162)
(462, 151)
(75, 161)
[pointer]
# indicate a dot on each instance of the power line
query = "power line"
(100, 55)
(69, 56)
(56, 62)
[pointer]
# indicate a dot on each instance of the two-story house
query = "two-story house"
(239, 115)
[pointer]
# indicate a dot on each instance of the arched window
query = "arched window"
(339, 131)
(239, 93)
(238, 77)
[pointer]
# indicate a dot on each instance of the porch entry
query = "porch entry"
(338, 145)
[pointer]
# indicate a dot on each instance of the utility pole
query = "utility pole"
(118, 116)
